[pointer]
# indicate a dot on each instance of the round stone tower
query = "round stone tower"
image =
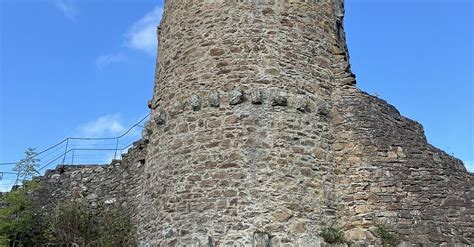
(248, 140)
(240, 145)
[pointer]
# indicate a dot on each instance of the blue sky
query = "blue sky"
(81, 67)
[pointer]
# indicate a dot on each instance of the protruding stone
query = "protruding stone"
(153, 103)
(176, 108)
(255, 96)
(279, 99)
(195, 102)
(323, 108)
(214, 99)
(301, 103)
(160, 117)
(261, 239)
(236, 97)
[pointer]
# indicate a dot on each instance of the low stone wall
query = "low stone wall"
(116, 185)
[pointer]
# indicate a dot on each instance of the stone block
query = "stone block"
(236, 97)
(195, 102)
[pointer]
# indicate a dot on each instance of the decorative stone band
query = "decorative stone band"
(269, 98)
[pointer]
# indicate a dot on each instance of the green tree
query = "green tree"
(26, 168)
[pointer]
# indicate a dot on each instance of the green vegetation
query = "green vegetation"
(26, 168)
(74, 223)
(388, 239)
(67, 224)
(333, 236)
(18, 220)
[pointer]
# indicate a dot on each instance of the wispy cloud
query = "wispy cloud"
(142, 34)
(68, 8)
(102, 151)
(108, 59)
(104, 126)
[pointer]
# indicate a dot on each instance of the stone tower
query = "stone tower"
(259, 137)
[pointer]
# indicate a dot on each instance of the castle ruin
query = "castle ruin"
(259, 137)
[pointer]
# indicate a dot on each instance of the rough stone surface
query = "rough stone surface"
(255, 96)
(275, 169)
(214, 99)
(117, 185)
(236, 97)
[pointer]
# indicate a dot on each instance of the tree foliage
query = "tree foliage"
(26, 168)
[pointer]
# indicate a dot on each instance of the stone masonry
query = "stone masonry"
(116, 185)
(259, 137)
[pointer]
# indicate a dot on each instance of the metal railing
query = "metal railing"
(76, 150)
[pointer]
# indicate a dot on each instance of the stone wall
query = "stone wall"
(259, 137)
(116, 185)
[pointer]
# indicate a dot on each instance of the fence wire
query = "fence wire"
(76, 150)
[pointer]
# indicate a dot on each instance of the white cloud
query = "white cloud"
(104, 126)
(106, 60)
(68, 8)
(469, 165)
(142, 34)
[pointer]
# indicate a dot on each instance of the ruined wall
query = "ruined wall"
(116, 185)
(259, 137)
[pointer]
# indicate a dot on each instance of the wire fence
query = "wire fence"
(76, 150)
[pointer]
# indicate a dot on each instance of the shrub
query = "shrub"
(18, 219)
(333, 236)
(70, 223)
(75, 223)
(388, 239)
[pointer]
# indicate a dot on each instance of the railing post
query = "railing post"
(72, 158)
(116, 148)
(65, 152)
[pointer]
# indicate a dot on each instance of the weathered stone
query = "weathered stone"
(279, 99)
(241, 169)
(195, 102)
(177, 108)
(160, 117)
(283, 215)
(261, 239)
(323, 108)
(217, 52)
(301, 103)
(214, 100)
(255, 96)
(236, 97)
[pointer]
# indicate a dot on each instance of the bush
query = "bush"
(333, 236)
(388, 239)
(70, 224)
(75, 223)
(116, 229)
(18, 219)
